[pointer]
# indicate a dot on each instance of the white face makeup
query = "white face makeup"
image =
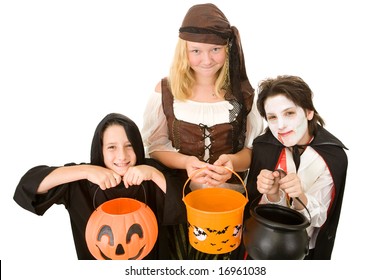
(287, 122)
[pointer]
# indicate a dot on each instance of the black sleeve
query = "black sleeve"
(264, 156)
(174, 210)
(25, 194)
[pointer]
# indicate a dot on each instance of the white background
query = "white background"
(64, 65)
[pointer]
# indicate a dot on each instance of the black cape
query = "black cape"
(266, 151)
(78, 199)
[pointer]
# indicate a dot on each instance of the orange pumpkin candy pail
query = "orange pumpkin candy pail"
(215, 218)
(121, 229)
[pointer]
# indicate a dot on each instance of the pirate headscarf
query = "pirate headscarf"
(205, 23)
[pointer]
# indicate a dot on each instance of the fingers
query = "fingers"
(217, 175)
(116, 179)
(212, 175)
(133, 177)
(291, 184)
(268, 182)
(130, 179)
(224, 160)
(215, 179)
(267, 177)
(111, 180)
(199, 177)
(193, 164)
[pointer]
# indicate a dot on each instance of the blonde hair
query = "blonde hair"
(181, 76)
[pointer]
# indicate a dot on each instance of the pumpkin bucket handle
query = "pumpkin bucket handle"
(94, 196)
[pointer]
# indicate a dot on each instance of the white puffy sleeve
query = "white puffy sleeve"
(155, 129)
(254, 126)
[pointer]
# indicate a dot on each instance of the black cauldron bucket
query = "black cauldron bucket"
(275, 232)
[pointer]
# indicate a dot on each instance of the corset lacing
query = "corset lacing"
(207, 142)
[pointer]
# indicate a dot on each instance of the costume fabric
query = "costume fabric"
(81, 198)
(325, 181)
(190, 122)
(317, 185)
(204, 130)
(155, 128)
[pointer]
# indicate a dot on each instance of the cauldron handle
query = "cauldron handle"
(304, 206)
(281, 171)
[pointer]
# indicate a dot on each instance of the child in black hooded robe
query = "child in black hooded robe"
(81, 188)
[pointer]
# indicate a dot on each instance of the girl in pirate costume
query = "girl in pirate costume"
(311, 161)
(201, 115)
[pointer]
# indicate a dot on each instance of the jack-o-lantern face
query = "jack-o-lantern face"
(121, 229)
(119, 249)
(216, 241)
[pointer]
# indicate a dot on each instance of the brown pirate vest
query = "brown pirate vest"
(189, 138)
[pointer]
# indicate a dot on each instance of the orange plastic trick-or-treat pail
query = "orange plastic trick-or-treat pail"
(215, 217)
(121, 229)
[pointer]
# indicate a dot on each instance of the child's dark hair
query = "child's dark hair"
(132, 132)
(293, 88)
